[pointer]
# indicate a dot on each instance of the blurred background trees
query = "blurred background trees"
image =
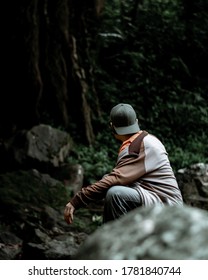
(66, 63)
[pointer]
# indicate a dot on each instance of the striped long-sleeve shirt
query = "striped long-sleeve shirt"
(142, 164)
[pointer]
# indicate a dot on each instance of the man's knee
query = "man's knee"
(113, 192)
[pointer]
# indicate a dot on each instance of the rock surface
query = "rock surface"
(154, 233)
(193, 182)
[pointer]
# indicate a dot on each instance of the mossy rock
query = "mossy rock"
(26, 192)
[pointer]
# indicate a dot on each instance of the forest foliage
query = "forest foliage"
(67, 63)
(152, 54)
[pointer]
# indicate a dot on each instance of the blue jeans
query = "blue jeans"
(119, 201)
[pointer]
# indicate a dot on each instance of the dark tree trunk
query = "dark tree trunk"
(48, 75)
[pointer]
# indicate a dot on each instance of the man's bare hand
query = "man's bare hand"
(69, 213)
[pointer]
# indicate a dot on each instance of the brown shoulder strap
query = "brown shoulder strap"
(141, 137)
(136, 144)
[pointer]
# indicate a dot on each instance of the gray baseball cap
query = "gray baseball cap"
(124, 119)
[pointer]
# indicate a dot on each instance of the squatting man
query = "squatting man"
(142, 175)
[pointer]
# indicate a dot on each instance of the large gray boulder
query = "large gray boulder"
(154, 233)
(41, 147)
(193, 183)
